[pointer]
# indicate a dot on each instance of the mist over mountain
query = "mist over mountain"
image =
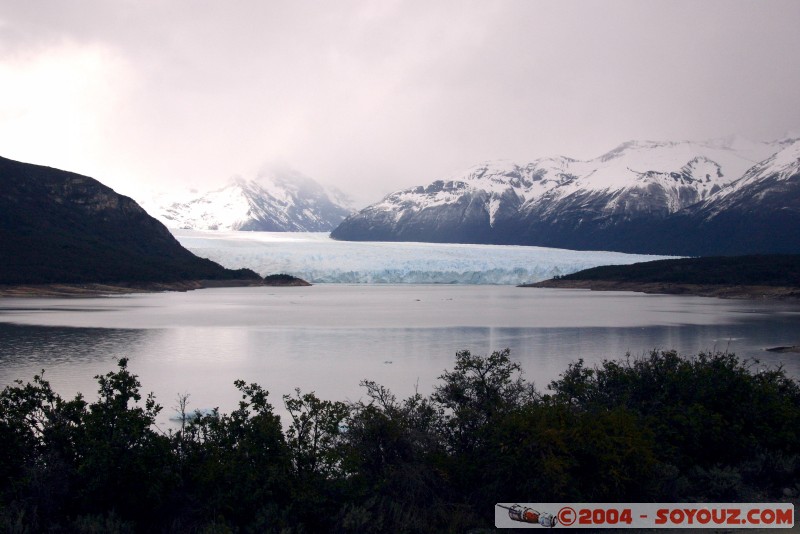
(726, 195)
(277, 200)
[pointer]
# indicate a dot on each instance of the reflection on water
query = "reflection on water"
(22, 345)
(328, 338)
(70, 357)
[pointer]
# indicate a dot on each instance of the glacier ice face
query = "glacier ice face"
(319, 259)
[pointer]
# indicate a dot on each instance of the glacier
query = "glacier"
(317, 258)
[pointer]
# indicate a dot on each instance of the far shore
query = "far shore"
(125, 288)
(99, 290)
(700, 290)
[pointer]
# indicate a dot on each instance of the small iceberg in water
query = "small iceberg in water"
(192, 415)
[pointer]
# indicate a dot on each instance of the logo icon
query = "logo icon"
(567, 516)
(517, 512)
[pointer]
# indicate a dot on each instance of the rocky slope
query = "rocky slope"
(61, 227)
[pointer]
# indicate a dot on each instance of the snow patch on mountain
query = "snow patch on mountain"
(769, 178)
(491, 201)
(276, 200)
(782, 165)
(640, 161)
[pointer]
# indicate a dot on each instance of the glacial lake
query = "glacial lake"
(327, 338)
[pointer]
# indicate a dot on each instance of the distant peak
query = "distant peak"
(496, 164)
(272, 201)
(731, 142)
(237, 180)
(788, 138)
(553, 159)
(285, 177)
(619, 150)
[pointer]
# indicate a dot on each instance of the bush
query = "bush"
(657, 428)
(709, 414)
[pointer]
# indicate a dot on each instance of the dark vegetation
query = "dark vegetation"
(658, 428)
(284, 280)
(766, 270)
(61, 227)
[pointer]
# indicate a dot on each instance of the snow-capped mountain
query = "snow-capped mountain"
(466, 205)
(770, 184)
(603, 203)
(649, 178)
(275, 201)
(759, 213)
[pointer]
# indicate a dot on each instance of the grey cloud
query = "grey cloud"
(373, 96)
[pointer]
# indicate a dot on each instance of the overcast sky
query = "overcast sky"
(378, 95)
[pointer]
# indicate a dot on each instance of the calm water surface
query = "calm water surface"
(327, 338)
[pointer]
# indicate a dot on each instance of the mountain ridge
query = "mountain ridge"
(628, 199)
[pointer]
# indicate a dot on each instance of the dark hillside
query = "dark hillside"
(766, 270)
(61, 227)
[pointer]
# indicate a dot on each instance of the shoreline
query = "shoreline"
(754, 292)
(111, 289)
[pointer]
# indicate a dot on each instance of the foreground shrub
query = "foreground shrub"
(713, 418)
(658, 428)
